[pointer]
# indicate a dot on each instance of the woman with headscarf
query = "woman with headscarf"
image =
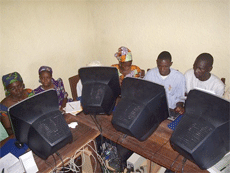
(47, 81)
(15, 91)
(125, 67)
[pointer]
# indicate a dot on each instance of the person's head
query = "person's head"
(124, 56)
(202, 66)
(45, 75)
(164, 62)
(13, 84)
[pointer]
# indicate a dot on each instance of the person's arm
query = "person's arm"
(179, 107)
(4, 116)
(7, 125)
(63, 94)
(64, 101)
(180, 95)
(219, 89)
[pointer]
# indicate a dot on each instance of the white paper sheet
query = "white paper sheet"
(73, 107)
(28, 162)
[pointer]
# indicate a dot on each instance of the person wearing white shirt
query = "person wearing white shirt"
(172, 80)
(200, 76)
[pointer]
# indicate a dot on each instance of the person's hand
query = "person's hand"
(62, 110)
(180, 110)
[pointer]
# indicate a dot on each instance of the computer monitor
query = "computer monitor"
(202, 134)
(100, 89)
(143, 106)
(38, 122)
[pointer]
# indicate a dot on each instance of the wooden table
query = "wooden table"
(82, 135)
(156, 148)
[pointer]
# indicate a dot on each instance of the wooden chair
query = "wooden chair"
(73, 83)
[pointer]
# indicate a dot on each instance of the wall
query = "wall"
(68, 34)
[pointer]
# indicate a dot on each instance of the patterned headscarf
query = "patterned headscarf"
(123, 54)
(9, 79)
(45, 68)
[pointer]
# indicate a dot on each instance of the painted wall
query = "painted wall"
(66, 35)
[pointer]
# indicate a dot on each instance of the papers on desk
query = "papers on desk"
(73, 107)
(223, 166)
(12, 164)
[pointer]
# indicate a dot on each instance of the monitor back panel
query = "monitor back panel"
(26, 112)
(202, 134)
(142, 107)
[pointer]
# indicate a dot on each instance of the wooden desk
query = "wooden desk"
(156, 148)
(82, 135)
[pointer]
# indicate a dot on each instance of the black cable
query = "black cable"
(119, 158)
(96, 123)
(98, 126)
(118, 153)
(54, 163)
(174, 161)
(120, 161)
(49, 164)
(63, 165)
(183, 163)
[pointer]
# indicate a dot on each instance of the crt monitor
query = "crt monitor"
(38, 122)
(100, 89)
(143, 106)
(202, 134)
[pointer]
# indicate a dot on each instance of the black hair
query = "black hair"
(206, 57)
(165, 56)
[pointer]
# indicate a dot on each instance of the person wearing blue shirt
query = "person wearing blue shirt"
(172, 80)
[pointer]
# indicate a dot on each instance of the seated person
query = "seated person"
(45, 78)
(200, 76)
(79, 84)
(172, 80)
(125, 67)
(15, 91)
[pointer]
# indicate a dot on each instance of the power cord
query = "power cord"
(57, 153)
(174, 161)
(54, 163)
(49, 164)
(183, 163)
(96, 123)
(98, 126)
